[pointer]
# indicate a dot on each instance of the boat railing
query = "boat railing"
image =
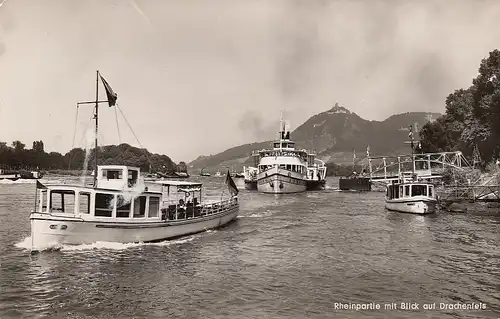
(188, 211)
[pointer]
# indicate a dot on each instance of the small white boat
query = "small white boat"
(408, 194)
(411, 196)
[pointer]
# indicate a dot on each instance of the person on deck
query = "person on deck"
(189, 198)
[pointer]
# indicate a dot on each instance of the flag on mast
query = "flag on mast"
(231, 185)
(40, 185)
(368, 151)
(112, 96)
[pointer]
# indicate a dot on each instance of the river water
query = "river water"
(288, 256)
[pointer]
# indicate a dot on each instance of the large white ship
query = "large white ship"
(283, 169)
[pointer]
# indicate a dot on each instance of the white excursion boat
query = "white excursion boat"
(408, 194)
(120, 207)
(411, 196)
(284, 169)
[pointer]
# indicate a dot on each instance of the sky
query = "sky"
(196, 77)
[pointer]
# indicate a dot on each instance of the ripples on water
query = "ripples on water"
(289, 256)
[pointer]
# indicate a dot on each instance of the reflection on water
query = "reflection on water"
(286, 256)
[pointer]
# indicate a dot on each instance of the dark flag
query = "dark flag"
(112, 96)
(231, 185)
(40, 185)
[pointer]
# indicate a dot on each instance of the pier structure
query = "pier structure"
(385, 169)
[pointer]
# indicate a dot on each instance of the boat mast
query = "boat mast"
(96, 124)
(410, 135)
(282, 130)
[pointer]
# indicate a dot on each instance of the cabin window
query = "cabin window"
(419, 190)
(407, 190)
(43, 201)
(290, 145)
(122, 207)
(112, 173)
(154, 206)
(62, 201)
(430, 191)
(140, 207)
(285, 145)
(104, 205)
(84, 203)
(282, 166)
(276, 145)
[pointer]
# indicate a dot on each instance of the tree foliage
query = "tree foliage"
(18, 157)
(472, 116)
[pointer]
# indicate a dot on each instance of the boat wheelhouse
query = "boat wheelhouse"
(121, 207)
(283, 169)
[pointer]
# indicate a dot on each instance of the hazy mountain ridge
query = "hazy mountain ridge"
(331, 134)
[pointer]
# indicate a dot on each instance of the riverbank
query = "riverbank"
(67, 172)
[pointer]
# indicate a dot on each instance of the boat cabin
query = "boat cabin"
(97, 203)
(117, 177)
(407, 190)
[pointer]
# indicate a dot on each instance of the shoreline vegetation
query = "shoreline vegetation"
(17, 157)
(471, 123)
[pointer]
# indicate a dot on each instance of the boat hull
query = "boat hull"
(48, 230)
(413, 206)
(281, 184)
(250, 185)
(316, 185)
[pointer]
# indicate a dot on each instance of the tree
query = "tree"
(472, 116)
(182, 167)
(38, 146)
(18, 146)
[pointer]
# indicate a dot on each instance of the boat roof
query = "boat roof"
(178, 183)
(89, 188)
(412, 183)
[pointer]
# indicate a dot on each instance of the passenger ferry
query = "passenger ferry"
(120, 207)
(411, 196)
(283, 169)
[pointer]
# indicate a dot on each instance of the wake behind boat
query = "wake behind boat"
(120, 207)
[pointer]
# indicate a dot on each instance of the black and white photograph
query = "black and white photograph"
(248, 159)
